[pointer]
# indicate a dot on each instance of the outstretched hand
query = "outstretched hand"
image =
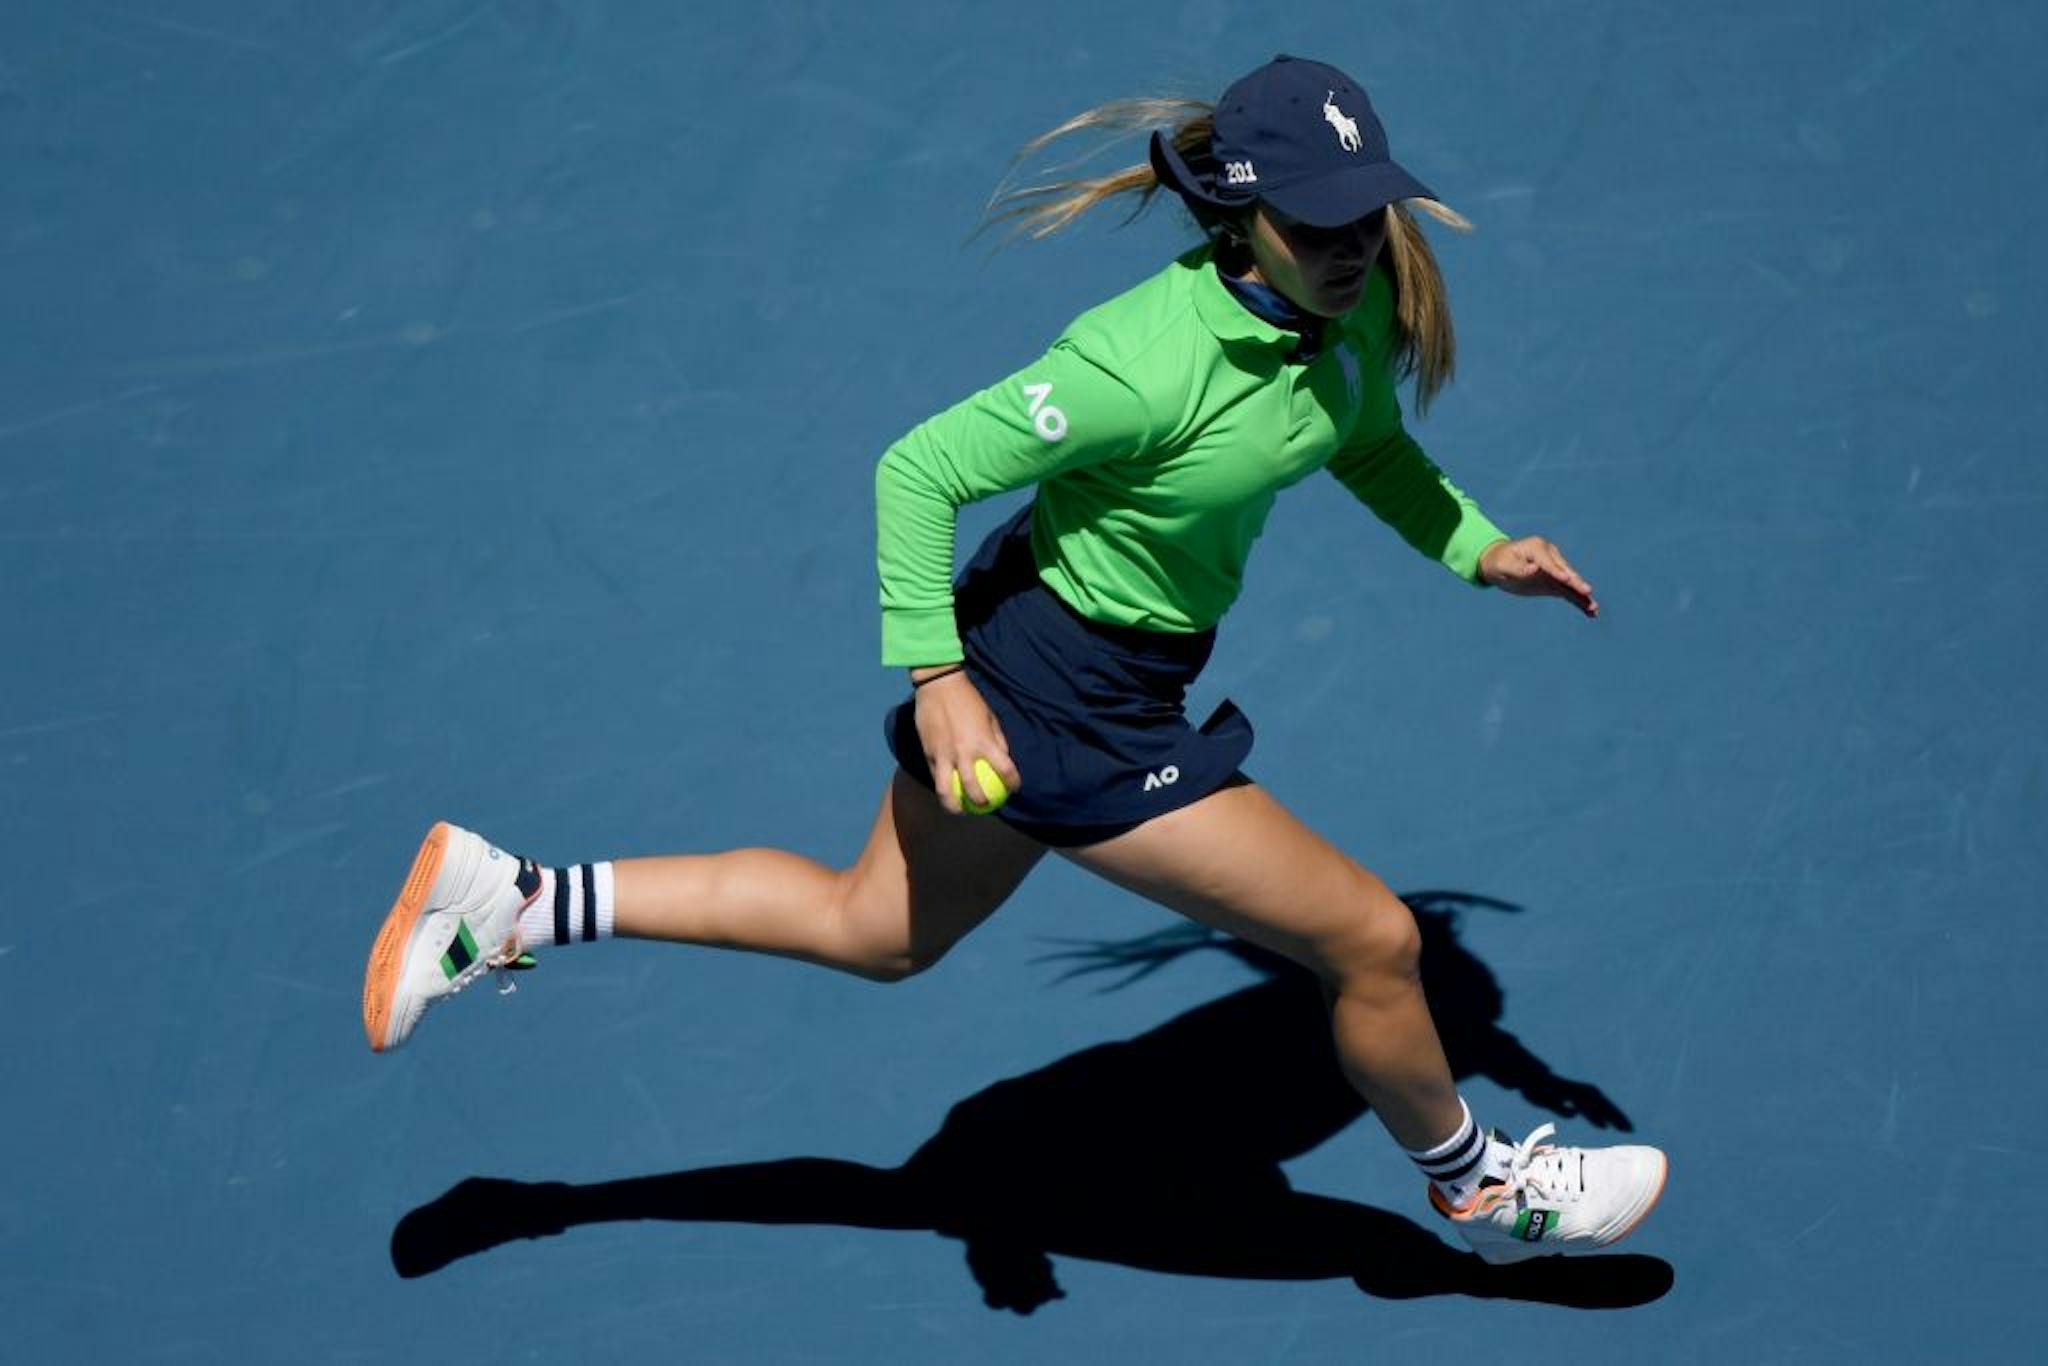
(1534, 568)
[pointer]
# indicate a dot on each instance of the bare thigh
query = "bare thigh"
(927, 877)
(1241, 862)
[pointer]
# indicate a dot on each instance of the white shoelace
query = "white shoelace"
(1543, 1171)
(500, 964)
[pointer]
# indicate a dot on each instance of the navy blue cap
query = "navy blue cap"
(1302, 137)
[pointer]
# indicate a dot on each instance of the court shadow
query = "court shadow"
(1160, 1152)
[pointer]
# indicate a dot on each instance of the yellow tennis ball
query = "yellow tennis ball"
(991, 783)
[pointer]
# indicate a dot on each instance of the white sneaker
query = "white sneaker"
(1558, 1199)
(456, 918)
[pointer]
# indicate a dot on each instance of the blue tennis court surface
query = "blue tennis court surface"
(467, 410)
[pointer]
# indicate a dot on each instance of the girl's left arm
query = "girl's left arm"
(1385, 470)
(1405, 489)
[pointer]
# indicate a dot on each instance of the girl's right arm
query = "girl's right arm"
(1061, 413)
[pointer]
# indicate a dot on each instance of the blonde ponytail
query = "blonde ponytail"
(1039, 211)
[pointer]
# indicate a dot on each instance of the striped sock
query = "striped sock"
(573, 905)
(1457, 1163)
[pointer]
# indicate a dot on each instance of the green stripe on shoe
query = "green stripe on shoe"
(461, 953)
(1532, 1224)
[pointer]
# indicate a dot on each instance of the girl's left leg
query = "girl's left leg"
(1241, 862)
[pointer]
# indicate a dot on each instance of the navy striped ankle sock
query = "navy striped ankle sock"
(574, 905)
(1457, 1164)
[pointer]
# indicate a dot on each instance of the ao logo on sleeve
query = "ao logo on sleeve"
(1050, 421)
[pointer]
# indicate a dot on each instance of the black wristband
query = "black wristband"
(917, 683)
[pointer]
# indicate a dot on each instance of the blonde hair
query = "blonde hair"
(1428, 345)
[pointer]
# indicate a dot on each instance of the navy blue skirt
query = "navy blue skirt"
(1093, 713)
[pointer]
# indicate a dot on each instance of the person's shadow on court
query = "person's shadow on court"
(1160, 1152)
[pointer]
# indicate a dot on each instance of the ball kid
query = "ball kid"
(1044, 707)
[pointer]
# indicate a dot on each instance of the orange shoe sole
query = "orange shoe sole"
(387, 955)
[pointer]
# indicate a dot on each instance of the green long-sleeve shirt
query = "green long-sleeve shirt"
(1159, 428)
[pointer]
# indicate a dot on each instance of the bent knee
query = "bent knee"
(888, 964)
(873, 938)
(1380, 937)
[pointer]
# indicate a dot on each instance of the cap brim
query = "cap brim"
(1346, 196)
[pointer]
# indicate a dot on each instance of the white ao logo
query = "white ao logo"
(1050, 421)
(1346, 126)
(1165, 777)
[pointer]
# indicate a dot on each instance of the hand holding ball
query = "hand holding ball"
(991, 784)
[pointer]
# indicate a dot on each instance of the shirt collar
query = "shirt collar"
(1223, 314)
(1264, 300)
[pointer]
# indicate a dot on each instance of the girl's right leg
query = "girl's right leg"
(924, 880)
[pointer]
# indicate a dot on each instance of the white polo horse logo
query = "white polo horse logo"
(1346, 126)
